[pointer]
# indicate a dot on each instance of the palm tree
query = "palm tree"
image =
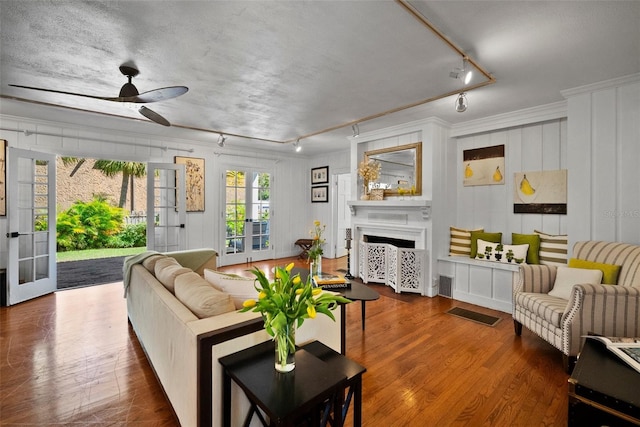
(129, 170)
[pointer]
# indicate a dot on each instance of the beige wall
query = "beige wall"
(87, 182)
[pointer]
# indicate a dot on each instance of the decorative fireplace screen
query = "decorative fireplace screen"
(404, 269)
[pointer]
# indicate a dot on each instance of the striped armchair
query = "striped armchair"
(600, 309)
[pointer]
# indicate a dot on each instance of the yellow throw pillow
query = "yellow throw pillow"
(609, 271)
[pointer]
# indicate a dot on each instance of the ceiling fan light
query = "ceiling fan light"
(221, 140)
(461, 103)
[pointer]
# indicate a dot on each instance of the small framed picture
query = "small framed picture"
(320, 175)
(320, 194)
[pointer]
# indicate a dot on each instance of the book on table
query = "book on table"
(627, 349)
(330, 281)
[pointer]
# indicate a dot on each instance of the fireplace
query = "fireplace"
(392, 243)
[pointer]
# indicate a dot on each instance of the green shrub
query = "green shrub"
(131, 236)
(88, 225)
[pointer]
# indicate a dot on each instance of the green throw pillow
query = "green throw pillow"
(533, 254)
(487, 237)
(609, 271)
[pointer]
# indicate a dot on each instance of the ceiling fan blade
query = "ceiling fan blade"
(161, 94)
(104, 98)
(153, 116)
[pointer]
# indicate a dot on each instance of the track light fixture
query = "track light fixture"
(356, 130)
(463, 73)
(297, 146)
(221, 140)
(461, 103)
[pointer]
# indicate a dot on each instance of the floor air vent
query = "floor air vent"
(445, 286)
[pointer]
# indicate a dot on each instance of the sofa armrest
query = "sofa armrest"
(536, 278)
(609, 310)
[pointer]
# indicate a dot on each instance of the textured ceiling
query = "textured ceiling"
(281, 70)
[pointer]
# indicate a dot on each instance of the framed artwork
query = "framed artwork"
(194, 187)
(483, 166)
(3, 177)
(543, 192)
(320, 175)
(320, 194)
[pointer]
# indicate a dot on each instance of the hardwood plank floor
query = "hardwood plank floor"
(71, 358)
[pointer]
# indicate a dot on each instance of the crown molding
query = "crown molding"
(607, 84)
(556, 110)
(397, 130)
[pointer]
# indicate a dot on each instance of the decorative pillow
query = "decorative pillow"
(240, 289)
(533, 240)
(200, 297)
(460, 243)
(482, 247)
(214, 276)
(519, 253)
(487, 237)
(150, 262)
(609, 271)
(553, 248)
(167, 269)
(566, 277)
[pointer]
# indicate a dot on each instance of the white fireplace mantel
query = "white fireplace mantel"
(424, 206)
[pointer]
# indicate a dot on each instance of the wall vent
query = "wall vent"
(445, 286)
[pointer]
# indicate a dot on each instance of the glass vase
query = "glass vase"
(315, 266)
(285, 340)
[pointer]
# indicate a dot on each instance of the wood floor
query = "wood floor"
(71, 358)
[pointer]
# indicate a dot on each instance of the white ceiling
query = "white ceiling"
(282, 70)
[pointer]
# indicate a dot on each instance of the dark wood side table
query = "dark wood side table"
(284, 398)
(603, 390)
(351, 369)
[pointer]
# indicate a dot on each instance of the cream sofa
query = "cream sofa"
(612, 310)
(184, 349)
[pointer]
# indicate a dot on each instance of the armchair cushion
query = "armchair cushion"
(567, 277)
(609, 271)
(545, 306)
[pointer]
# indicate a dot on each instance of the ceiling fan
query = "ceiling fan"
(129, 93)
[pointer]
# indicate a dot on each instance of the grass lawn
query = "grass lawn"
(97, 253)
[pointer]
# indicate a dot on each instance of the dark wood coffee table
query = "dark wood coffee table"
(357, 291)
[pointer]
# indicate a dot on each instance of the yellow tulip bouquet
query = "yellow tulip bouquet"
(285, 304)
(316, 235)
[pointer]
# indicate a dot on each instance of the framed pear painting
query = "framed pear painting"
(483, 166)
(543, 192)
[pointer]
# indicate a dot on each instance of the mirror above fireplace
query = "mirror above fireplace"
(401, 169)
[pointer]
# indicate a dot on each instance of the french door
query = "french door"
(247, 216)
(166, 207)
(31, 190)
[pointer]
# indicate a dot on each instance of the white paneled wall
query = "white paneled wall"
(604, 147)
(534, 147)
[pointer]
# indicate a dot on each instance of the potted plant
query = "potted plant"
(487, 252)
(509, 255)
(498, 254)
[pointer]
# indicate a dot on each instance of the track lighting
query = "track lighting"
(356, 130)
(221, 140)
(463, 73)
(461, 103)
(297, 146)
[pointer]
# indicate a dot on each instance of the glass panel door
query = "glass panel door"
(166, 207)
(32, 224)
(247, 216)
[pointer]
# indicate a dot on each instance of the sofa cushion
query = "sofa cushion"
(519, 253)
(214, 276)
(609, 271)
(166, 271)
(200, 297)
(460, 241)
(481, 247)
(240, 289)
(553, 248)
(533, 240)
(566, 277)
(150, 262)
(544, 306)
(486, 236)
